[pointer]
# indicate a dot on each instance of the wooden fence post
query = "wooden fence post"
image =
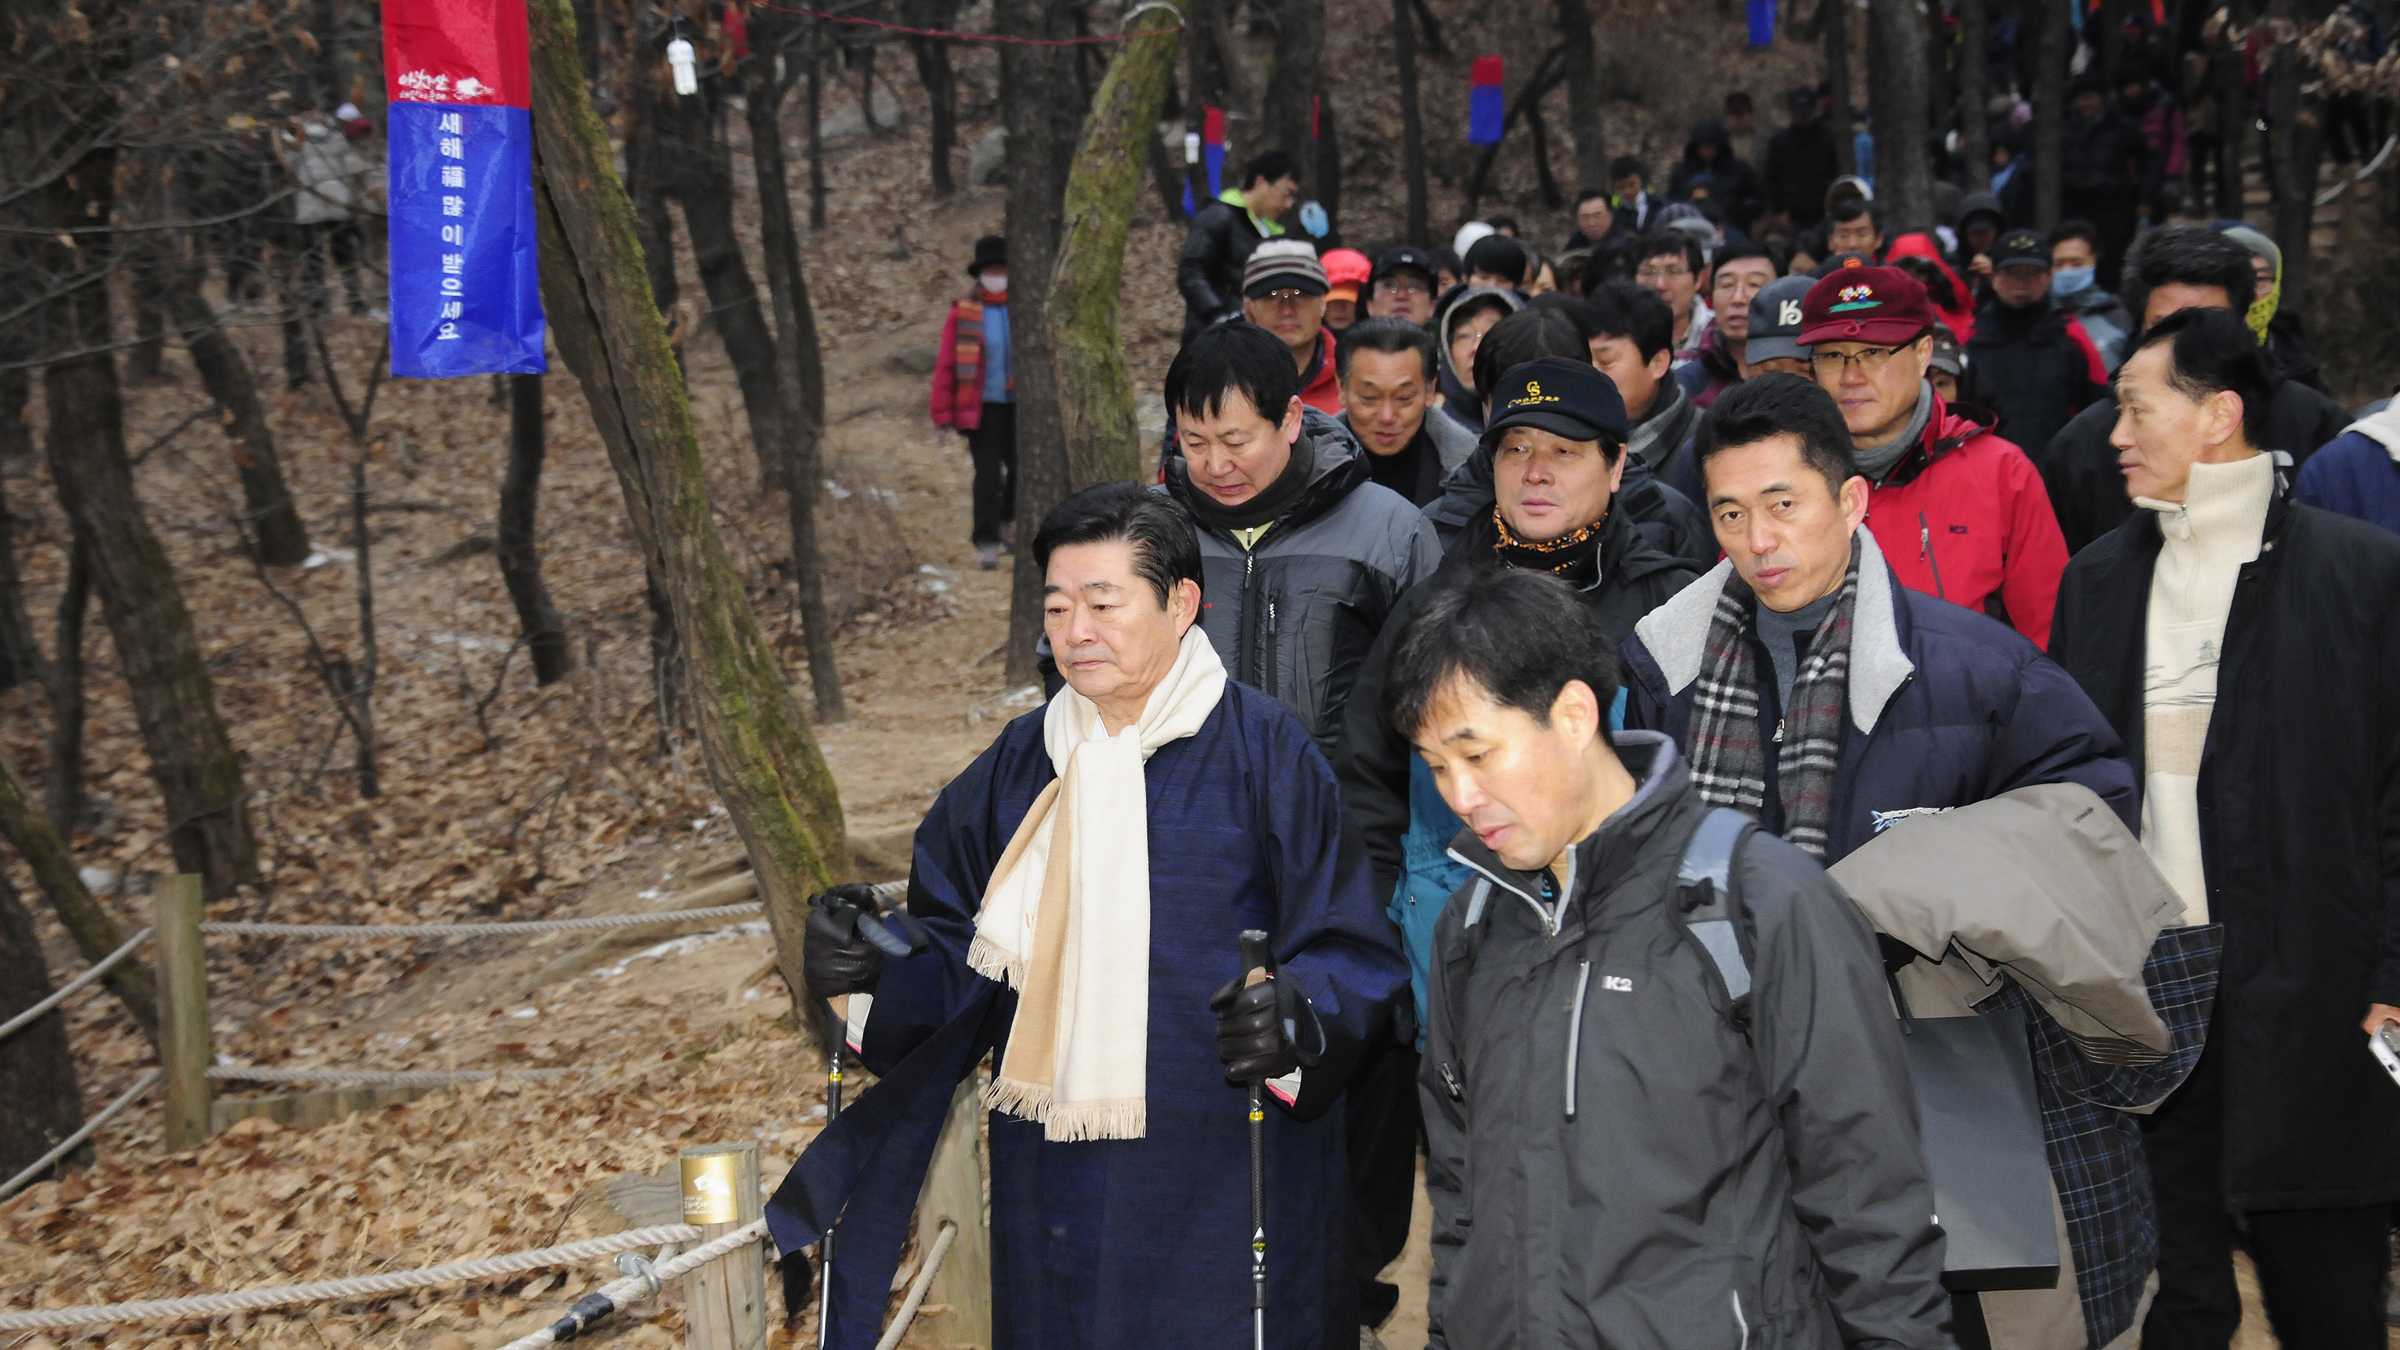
(725, 1301)
(183, 1036)
(954, 1194)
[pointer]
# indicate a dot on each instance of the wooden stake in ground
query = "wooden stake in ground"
(725, 1301)
(183, 1045)
(1095, 397)
(759, 753)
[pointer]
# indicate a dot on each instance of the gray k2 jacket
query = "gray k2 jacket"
(1613, 1163)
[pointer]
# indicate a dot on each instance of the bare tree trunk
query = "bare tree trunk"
(1539, 128)
(40, 1101)
(1974, 62)
(1329, 168)
(1896, 80)
(1298, 74)
(2299, 146)
(44, 850)
(518, 554)
(20, 653)
(1583, 95)
(361, 681)
(192, 759)
(1043, 120)
(760, 755)
(1419, 223)
(2054, 43)
(941, 86)
(1095, 397)
(63, 790)
(1836, 16)
(2232, 129)
(816, 130)
(273, 517)
(800, 367)
(16, 391)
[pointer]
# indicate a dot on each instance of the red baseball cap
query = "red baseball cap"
(1865, 304)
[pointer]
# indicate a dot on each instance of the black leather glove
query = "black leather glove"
(835, 957)
(1265, 1030)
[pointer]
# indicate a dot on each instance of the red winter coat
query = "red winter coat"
(1319, 386)
(1964, 516)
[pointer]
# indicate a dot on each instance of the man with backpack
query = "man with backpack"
(1631, 1141)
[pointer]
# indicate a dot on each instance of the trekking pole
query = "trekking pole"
(1258, 963)
(873, 918)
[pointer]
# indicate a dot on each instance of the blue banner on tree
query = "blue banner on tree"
(466, 278)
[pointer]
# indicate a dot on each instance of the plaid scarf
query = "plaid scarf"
(1729, 765)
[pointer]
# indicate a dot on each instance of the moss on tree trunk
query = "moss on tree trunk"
(1095, 397)
(760, 755)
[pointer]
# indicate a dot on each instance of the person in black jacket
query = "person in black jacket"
(1710, 151)
(1209, 272)
(1559, 325)
(1620, 1151)
(2174, 267)
(2243, 645)
(2030, 360)
(1801, 162)
(2105, 170)
(1561, 460)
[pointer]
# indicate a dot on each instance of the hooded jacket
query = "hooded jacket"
(2359, 474)
(1958, 313)
(2079, 466)
(2299, 815)
(1459, 399)
(1800, 164)
(1964, 516)
(1209, 271)
(1294, 614)
(1738, 190)
(1612, 1163)
(2036, 365)
(1945, 706)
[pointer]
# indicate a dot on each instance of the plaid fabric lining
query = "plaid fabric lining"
(2095, 1146)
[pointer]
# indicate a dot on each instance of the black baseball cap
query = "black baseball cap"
(1559, 395)
(2019, 248)
(1406, 258)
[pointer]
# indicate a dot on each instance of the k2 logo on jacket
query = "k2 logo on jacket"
(1617, 984)
(1885, 820)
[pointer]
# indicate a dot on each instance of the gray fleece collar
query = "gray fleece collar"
(1676, 634)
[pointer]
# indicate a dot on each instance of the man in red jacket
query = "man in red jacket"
(1958, 512)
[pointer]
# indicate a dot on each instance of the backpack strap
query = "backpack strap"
(1707, 904)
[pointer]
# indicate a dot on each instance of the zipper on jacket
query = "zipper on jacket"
(1740, 1321)
(1450, 1084)
(1550, 919)
(1925, 554)
(1583, 985)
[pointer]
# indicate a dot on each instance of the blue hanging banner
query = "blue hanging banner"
(1762, 23)
(466, 280)
(1487, 105)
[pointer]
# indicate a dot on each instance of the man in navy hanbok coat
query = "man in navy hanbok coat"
(1124, 1222)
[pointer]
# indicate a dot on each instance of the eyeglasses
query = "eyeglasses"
(1284, 297)
(1662, 274)
(1871, 360)
(1394, 289)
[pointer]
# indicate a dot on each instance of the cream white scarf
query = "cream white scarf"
(1066, 917)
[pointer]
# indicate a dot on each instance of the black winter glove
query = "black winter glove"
(847, 939)
(1265, 1030)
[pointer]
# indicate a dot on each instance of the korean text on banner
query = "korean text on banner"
(466, 281)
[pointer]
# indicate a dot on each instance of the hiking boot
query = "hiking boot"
(987, 557)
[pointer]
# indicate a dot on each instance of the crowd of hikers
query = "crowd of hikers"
(1821, 786)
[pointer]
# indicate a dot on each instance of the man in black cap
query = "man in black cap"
(2032, 362)
(1557, 438)
(1404, 285)
(974, 393)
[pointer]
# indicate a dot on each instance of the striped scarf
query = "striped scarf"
(1729, 765)
(966, 348)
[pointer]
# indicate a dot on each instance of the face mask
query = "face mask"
(994, 285)
(2069, 280)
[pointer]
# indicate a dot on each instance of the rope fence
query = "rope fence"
(75, 1140)
(594, 1306)
(99, 968)
(595, 923)
(387, 1077)
(325, 1291)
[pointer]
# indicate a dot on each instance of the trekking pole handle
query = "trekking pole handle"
(1258, 957)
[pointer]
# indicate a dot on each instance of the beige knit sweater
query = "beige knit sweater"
(2210, 535)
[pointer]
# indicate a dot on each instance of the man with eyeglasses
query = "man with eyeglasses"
(1283, 291)
(1742, 270)
(1403, 286)
(1673, 265)
(1959, 513)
